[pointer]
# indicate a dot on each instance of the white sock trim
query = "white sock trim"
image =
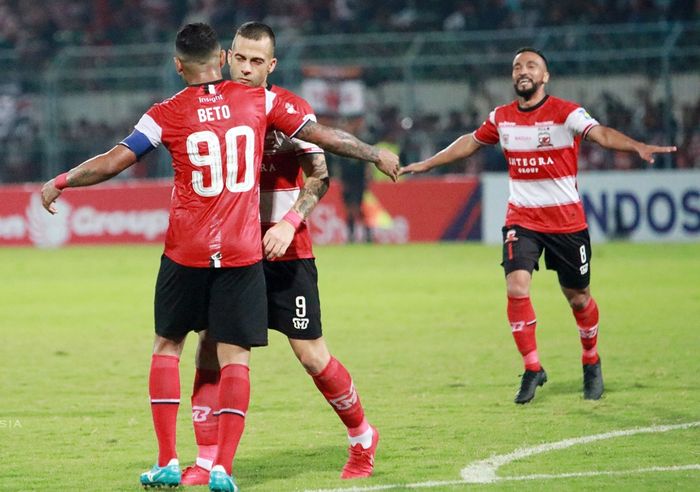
(365, 439)
(204, 463)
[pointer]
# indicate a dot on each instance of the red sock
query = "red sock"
(205, 398)
(335, 383)
(234, 397)
(523, 322)
(587, 321)
(164, 390)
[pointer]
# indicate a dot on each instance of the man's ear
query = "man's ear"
(273, 64)
(545, 79)
(178, 65)
(222, 58)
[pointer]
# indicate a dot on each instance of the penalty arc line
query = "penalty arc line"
(484, 471)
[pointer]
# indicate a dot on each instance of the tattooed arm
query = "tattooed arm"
(278, 237)
(95, 170)
(343, 143)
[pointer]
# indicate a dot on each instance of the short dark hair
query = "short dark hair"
(197, 41)
(528, 49)
(256, 30)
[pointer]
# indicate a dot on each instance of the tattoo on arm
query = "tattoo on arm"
(338, 141)
(314, 188)
(82, 176)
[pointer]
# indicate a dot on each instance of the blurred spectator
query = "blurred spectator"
(32, 33)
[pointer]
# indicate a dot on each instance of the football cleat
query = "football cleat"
(592, 381)
(195, 475)
(528, 384)
(360, 462)
(220, 481)
(162, 476)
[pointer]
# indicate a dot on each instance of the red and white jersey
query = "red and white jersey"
(282, 177)
(541, 148)
(215, 134)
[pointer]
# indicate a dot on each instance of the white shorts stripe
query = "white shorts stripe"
(535, 193)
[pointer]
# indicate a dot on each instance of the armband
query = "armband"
(138, 143)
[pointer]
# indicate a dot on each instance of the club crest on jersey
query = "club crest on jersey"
(544, 139)
(290, 108)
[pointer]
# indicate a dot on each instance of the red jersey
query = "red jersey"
(282, 177)
(215, 134)
(541, 148)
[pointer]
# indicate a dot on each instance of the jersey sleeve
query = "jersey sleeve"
(150, 125)
(487, 133)
(286, 113)
(579, 122)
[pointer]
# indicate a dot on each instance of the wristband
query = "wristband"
(293, 218)
(61, 181)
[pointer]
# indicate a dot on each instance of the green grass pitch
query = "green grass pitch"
(422, 329)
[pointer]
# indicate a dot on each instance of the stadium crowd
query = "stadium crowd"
(36, 27)
(31, 33)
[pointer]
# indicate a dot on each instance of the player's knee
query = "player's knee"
(578, 302)
(518, 283)
(206, 357)
(314, 361)
(166, 346)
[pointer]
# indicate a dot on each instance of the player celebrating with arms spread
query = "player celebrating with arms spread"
(290, 273)
(540, 136)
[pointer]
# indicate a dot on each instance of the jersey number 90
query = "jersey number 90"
(213, 159)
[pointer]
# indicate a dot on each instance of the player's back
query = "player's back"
(215, 135)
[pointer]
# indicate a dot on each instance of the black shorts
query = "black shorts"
(293, 304)
(569, 254)
(228, 302)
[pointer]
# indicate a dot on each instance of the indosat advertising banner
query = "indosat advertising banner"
(644, 206)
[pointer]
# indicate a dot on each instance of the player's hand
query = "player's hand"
(416, 167)
(277, 239)
(647, 152)
(49, 193)
(388, 163)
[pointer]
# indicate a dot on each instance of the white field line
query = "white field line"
(484, 471)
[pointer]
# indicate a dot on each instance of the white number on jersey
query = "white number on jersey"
(214, 161)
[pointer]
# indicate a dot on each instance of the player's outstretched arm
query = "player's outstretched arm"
(461, 148)
(278, 237)
(614, 140)
(94, 170)
(343, 143)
